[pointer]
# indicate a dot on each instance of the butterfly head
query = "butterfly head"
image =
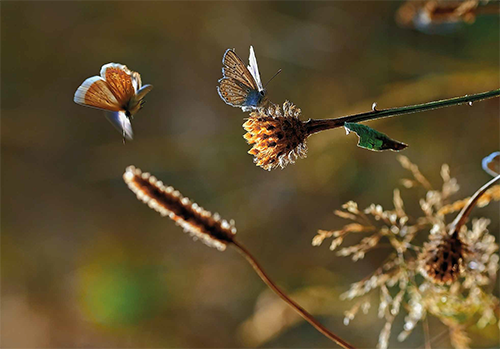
(137, 101)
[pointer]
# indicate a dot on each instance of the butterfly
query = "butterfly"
(118, 91)
(241, 85)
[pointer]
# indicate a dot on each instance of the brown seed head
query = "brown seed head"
(198, 222)
(427, 12)
(441, 260)
(277, 134)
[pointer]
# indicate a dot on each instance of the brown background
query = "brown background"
(84, 264)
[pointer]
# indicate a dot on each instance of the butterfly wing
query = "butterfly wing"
(95, 92)
(121, 81)
(121, 122)
(233, 67)
(236, 94)
(136, 81)
(254, 69)
(233, 92)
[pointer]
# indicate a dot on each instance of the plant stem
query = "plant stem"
(462, 217)
(436, 338)
(301, 311)
(427, 334)
(314, 126)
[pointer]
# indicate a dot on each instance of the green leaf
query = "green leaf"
(372, 139)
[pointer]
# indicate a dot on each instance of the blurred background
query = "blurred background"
(84, 264)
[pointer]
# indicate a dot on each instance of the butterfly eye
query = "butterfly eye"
(262, 93)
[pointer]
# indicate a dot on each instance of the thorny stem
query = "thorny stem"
(314, 126)
(301, 311)
(462, 217)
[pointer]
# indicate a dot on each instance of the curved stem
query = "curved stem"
(462, 217)
(314, 126)
(301, 311)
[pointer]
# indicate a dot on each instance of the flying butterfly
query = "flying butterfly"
(241, 85)
(118, 91)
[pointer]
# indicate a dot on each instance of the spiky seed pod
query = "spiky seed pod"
(277, 134)
(441, 260)
(198, 222)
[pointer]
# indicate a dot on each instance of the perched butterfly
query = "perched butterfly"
(241, 86)
(118, 91)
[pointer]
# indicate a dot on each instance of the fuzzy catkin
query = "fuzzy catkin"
(198, 222)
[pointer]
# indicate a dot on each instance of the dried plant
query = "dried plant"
(443, 16)
(209, 228)
(446, 270)
(198, 222)
(432, 12)
(278, 136)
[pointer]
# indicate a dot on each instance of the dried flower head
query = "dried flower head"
(277, 134)
(442, 258)
(198, 222)
(450, 276)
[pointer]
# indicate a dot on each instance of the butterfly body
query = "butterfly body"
(255, 97)
(118, 91)
(241, 85)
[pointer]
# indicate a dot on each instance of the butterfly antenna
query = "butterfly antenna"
(267, 83)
